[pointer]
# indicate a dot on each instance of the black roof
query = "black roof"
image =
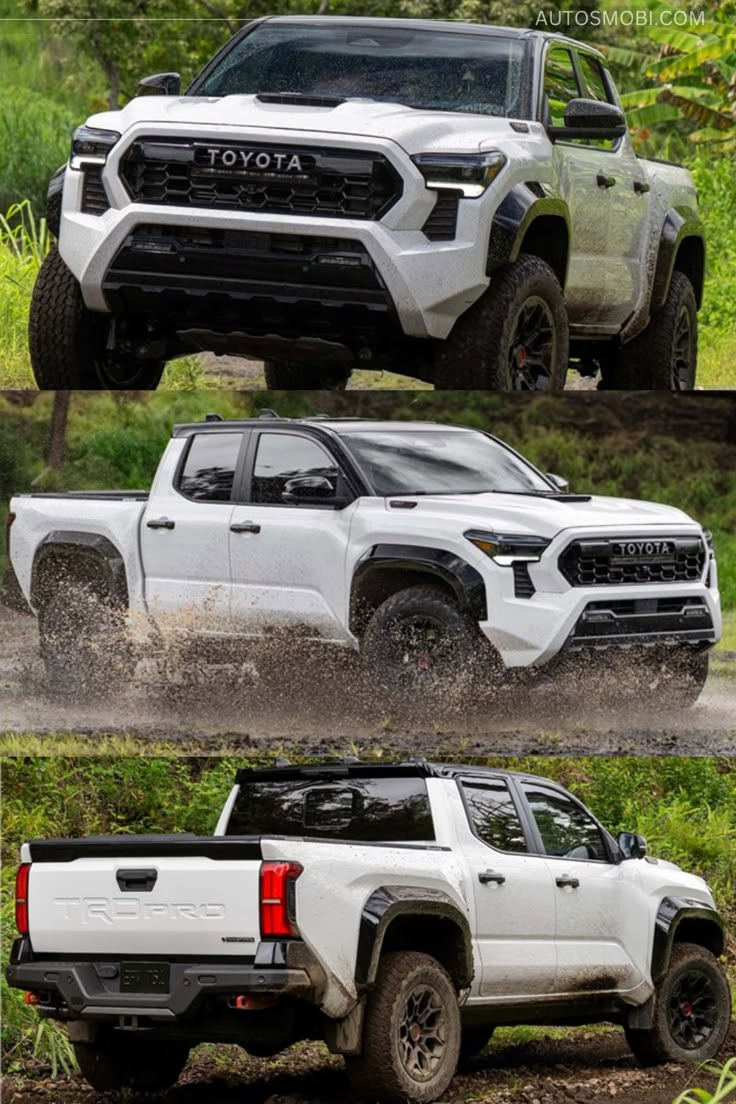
(356, 768)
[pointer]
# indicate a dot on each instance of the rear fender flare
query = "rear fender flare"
(78, 550)
(682, 228)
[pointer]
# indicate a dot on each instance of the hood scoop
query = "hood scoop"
(300, 99)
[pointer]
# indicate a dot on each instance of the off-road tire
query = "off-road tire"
(676, 676)
(287, 375)
(82, 637)
(475, 356)
(379, 1073)
(646, 362)
(657, 1044)
(474, 1041)
(462, 650)
(116, 1062)
(67, 341)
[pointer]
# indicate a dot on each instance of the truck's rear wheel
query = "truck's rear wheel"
(287, 375)
(411, 1035)
(116, 1062)
(82, 636)
(68, 342)
(420, 641)
(665, 356)
(515, 338)
(692, 1010)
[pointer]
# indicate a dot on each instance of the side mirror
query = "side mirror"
(560, 483)
(160, 84)
(590, 119)
(632, 845)
(312, 490)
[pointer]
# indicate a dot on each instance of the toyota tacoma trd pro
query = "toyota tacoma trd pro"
(435, 551)
(458, 203)
(400, 912)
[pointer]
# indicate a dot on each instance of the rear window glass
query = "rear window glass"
(374, 810)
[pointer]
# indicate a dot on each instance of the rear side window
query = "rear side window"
(373, 810)
(493, 815)
(209, 469)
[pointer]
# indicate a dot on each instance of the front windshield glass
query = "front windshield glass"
(452, 461)
(434, 70)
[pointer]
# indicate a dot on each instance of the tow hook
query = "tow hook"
(247, 1003)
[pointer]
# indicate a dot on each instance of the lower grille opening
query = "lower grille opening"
(644, 620)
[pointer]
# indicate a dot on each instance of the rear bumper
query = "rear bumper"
(92, 989)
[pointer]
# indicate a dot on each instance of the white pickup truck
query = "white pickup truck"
(454, 202)
(398, 911)
(433, 550)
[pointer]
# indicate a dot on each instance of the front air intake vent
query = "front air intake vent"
(94, 196)
(442, 223)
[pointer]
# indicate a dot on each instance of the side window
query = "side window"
(209, 468)
(493, 815)
(594, 79)
(560, 83)
(284, 456)
(566, 830)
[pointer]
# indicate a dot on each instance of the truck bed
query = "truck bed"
(105, 496)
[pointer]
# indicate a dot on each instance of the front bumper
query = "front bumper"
(92, 989)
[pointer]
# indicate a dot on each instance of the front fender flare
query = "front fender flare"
(516, 213)
(671, 913)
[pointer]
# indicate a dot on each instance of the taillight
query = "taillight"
(21, 898)
(278, 899)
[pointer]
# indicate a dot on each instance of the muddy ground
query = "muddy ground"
(581, 1068)
(323, 703)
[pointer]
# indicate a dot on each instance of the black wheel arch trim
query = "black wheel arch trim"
(385, 905)
(465, 580)
(672, 912)
(520, 208)
(71, 545)
(680, 224)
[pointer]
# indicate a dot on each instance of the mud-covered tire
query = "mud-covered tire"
(666, 1041)
(82, 638)
(657, 360)
(419, 640)
(676, 677)
(67, 341)
(116, 1062)
(474, 1041)
(479, 352)
(287, 375)
(386, 1069)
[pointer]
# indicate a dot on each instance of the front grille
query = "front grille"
(442, 223)
(293, 180)
(633, 560)
(94, 196)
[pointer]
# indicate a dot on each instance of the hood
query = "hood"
(414, 130)
(669, 879)
(546, 517)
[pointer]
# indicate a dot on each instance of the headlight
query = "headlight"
(90, 145)
(470, 173)
(508, 548)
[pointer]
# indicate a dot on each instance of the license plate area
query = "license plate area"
(144, 977)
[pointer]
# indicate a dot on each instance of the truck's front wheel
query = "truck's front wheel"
(68, 342)
(411, 1035)
(515, 338)
(287, 375)
(116, 1062)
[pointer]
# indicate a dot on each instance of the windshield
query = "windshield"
(435, 70)
(452, 461)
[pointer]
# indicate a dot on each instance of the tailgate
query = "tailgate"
(144, 895)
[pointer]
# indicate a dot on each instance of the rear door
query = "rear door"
(513, 894)
(185, 535)
(598, 907)
(288, 560)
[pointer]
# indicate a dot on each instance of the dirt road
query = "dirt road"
(302, 700)
(581, 1068)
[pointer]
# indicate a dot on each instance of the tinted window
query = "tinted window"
(593, 77)
(371, 809)
(493, 815)
(209, 469)
(560, 84)
(474, 73)
(283, 456)
(566, 830)
(440, 462)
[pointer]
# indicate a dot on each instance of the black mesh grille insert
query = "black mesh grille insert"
(442, 223)
(631, 560)
(94, 196)
(291, 180)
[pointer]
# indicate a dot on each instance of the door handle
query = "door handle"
(487, 876)
(245, 527)
(161, 523)
(604, 181)
(641, 187)
(136, 881)
(566, 882)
